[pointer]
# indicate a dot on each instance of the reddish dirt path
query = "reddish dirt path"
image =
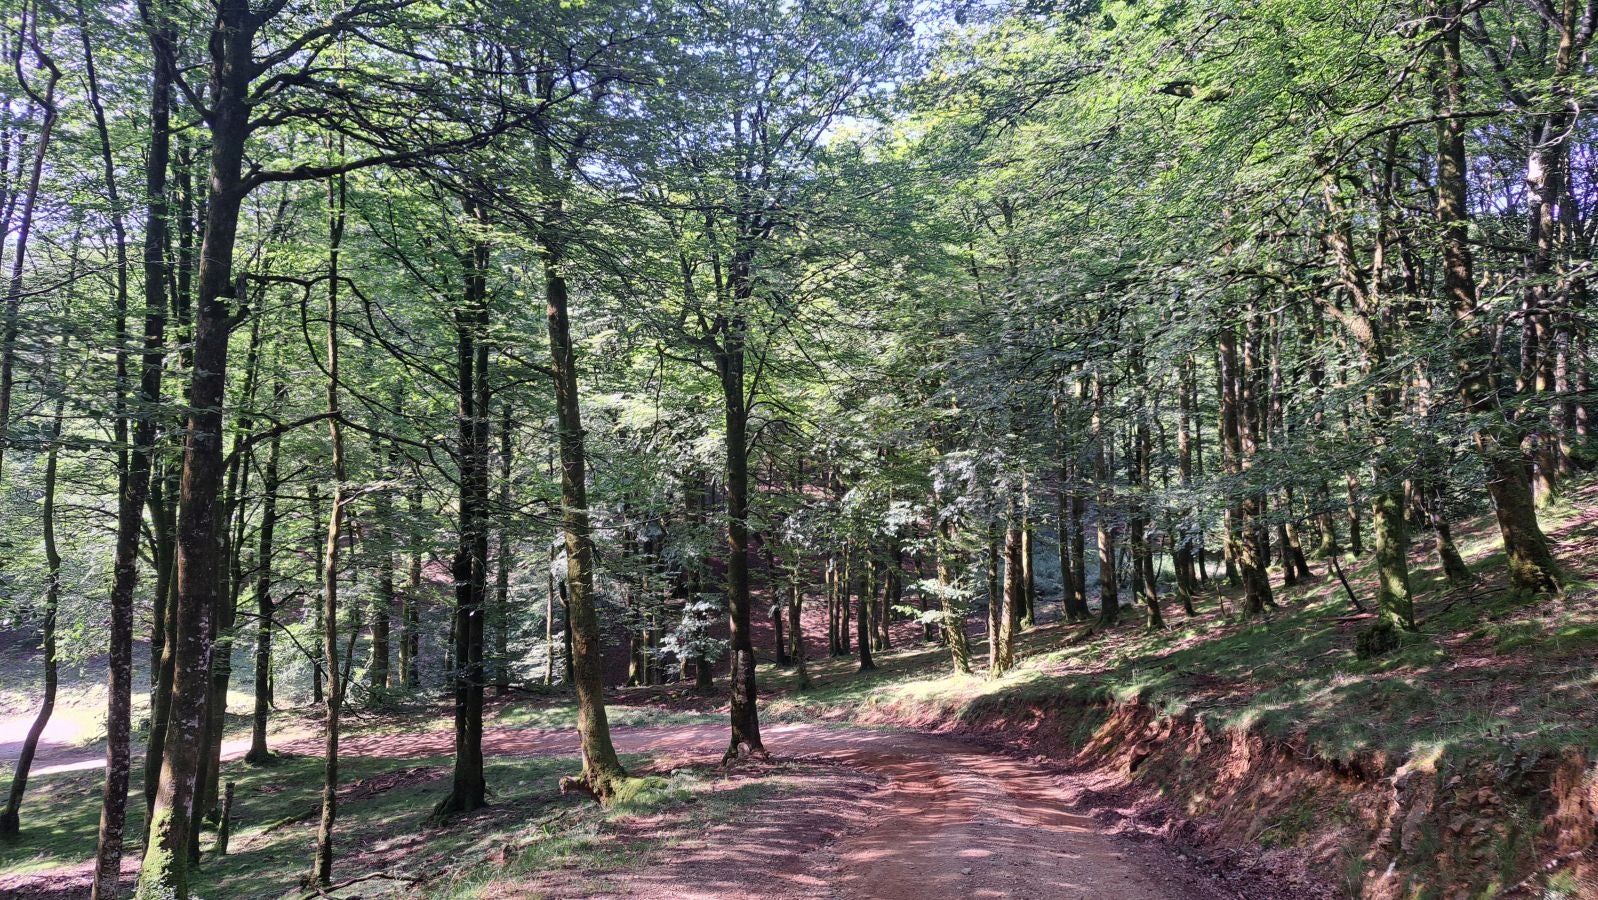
(950, 820)
(864, 815)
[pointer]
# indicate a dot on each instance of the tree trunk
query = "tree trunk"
(1546, 334)
(863, 622)
(1392, 562)
(132, 498)
(10, 329)
(1029, 581)
(165, 869)
(1065, 523)
(264, 606)
(845, 592)
(796, 633)
(602, 769)
(569, 677)
(778, 610)
(1109, 594)
(829, 579)
(379, 670)
(1251, 407)
(133, 474)
(1079, 556)
(1242, 545)
(468, 789)
(1455, 571)
(319, 535)
(164, 666)
(322, 864)
(995, 607)
(892, 590)
(232, 517)
(1532, 569)
(381, 676)
(1381, 401)
(1187, 585)
(1014, 596)
(9, 816)
(1356, 540)
(503, 561)
(779, 636)
(410, 609)
(876, 596)
(1143, 554)
(953, 611)
(1295, 544)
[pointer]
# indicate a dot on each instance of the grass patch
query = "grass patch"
(383, 824)
(561, 715)
(384, 810)
(581, 841)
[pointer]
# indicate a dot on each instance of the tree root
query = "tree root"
(570, 784)
(607, 788)
(323, 891)
(451, 806)
(1091, 632)
(267, 759)
(734, 750)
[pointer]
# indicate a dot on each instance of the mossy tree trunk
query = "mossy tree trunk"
(164, 872)
(602, 769)
(135, 494)
(1532, 569)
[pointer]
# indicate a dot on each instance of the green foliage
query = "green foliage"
(1153, 276)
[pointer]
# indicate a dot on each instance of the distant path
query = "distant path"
(951, 821)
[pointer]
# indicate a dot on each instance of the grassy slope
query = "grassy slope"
(1486, 669)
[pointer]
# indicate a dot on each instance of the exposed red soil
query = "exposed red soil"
(1225, 798)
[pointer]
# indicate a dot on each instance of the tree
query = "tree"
(760, 86)
(244, 83)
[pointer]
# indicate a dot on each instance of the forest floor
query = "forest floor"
(841, 813)
(912, 782)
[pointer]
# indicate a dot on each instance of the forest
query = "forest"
(798, 448)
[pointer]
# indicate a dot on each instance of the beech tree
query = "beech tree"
(369, 352)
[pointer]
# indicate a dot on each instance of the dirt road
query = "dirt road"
(868, 815)
(946, 819)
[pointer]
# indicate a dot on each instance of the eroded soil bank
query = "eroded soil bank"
(1490, 822)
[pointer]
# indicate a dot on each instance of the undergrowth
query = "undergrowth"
(1487, 670)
